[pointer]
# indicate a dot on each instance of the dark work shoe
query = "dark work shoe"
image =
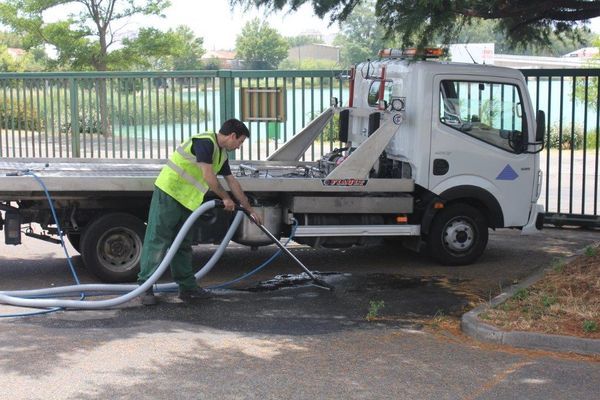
(194, 294)
(148, 298)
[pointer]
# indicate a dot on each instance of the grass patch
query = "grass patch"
(590, 326)
(565, 302)
(374, 307)
(558, 265)
(521, 294)
(591, 251)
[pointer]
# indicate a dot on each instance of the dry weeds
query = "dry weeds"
(565, 302)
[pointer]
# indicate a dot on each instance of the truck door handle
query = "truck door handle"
(440, 166)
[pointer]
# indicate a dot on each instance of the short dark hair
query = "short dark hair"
(234, 126)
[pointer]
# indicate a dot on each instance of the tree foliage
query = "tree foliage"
(34, 59)
(361, 36)
(302, 40)
(260, 46)
(587, 91)
(418, 21)
(11, 39)
(176, 49)
(82, 39)
(309, 64)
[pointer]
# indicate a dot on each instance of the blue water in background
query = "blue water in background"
(298, 115)
(303, 105)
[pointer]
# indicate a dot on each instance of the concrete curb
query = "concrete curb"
(475, 328)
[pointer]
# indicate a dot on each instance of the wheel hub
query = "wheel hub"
(119, 249)
(459, 235)
(118, 246)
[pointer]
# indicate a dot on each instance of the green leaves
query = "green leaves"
(260, 46)
(419, 22)
(84, 37)
(175, 49)
(362, 36)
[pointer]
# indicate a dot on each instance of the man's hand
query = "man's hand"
(228, 205)
(237, 191)
(255, 216)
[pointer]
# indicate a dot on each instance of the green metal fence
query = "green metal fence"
(145, 115)
(569, 97)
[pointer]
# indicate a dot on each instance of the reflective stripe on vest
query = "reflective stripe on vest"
(190, 179)
(182, 178)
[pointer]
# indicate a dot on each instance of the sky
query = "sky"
(218, 25)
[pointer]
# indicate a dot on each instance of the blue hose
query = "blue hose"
(60, 233)
(62, 242)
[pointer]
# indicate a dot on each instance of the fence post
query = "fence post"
(75, 140)
(226, 98)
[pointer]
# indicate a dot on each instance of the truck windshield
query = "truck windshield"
(489, 111)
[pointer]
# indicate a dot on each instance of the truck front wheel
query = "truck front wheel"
(458, 235)
(111, 247)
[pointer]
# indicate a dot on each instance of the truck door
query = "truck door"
(478, 138)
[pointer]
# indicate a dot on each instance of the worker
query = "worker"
(180, 189)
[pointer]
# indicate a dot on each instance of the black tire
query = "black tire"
(75, 240)
(458, 235)
(112, 247)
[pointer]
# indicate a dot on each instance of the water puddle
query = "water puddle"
(375, 282)
(293, 280)
(378, 282)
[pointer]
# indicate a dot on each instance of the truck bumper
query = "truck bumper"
(536, 220)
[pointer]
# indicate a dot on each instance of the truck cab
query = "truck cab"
(465, 133)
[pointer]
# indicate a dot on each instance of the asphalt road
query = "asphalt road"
(298, 341)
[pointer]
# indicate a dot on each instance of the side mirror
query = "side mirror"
(540, 128)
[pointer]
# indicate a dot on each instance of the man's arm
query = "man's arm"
(237, 191)
(215, 186)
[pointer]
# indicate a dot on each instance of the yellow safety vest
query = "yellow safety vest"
(182, 178)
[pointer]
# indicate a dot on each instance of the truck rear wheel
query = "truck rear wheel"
(112, 247)
(458, 235)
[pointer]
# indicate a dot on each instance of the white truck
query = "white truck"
(435, 154)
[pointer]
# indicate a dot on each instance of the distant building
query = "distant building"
(533, 62)
(312, 33)
(314, 52)
(483, 53)
(586, 52)
(16, 53)
(225, 58)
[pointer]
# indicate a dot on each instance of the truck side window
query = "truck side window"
(489, 111)
(373, 98)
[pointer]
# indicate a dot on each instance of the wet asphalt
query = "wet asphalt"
(277, 336)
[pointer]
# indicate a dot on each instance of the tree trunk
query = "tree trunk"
(105, 122)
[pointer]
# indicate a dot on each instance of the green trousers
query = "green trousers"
(165, 218)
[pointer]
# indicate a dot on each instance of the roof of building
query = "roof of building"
(16, 52)
(585, 52)
(220, 54)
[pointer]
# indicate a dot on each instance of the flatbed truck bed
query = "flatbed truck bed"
(68, 178)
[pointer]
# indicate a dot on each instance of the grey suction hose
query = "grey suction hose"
(123, 288)
(16, 298)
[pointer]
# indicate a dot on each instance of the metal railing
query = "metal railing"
(145, 115)
(569, 97)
